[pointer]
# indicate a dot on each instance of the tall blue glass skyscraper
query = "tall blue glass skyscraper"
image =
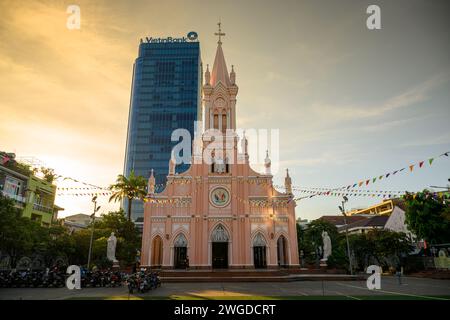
(165, 96)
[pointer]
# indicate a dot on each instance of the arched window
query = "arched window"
(216, 121)
(180, 241)
(227, 166)
(224, 123)
(259, 241)
(220, 234)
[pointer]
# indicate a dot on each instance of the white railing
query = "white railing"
(42, 208)
(14, 196)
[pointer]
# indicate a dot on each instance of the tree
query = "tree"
(130, 188)
(49, 174)
(18, 235)
(315, 229)
(312, 238)
(128, 240)
(59, 243)
(428, 217)
(385, 247)
(8, 213)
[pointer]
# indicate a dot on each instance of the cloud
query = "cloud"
(409, 97)
(283, 79)
(443, 139)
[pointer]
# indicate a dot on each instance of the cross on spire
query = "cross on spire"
(220, 33)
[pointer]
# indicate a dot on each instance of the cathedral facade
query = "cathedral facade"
(220, 213)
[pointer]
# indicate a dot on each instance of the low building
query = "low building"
(73, 226)
(13, 183)
(34, 196)
(387, 215)
(78, 221)
(384, 208)
(80, 218)
(339, 220)
(365, 224)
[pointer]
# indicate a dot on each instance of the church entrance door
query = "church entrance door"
(180, 252)
(220, 255)
(259, 257)
(180, 257)
(219, 247)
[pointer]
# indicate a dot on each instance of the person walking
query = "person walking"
(398, 273)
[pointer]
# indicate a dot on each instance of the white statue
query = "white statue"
(326, 246)
(111, 250)
(219, 166)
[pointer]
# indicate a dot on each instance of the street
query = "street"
(411, 288)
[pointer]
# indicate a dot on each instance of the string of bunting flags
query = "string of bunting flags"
(349, 190)
(316, 190)
(79, 181)
(411, 167)
(366, 182)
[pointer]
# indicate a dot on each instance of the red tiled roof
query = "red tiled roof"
(339, 220)
(375, 221)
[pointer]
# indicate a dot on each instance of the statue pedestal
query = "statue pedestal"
(116, 265)
(323, 264)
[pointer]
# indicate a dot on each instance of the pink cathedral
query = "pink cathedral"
(219, 213)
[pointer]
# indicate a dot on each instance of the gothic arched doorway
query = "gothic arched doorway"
(157, 252)
(282, 251)
(180, 251)
(219, 242)
(259, 251)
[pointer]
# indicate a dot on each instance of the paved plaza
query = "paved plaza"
(411, 288)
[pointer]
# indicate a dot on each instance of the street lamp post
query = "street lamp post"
(346, 234)
(94, 200)
(438, 187)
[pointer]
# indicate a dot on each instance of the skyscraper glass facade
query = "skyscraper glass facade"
(165, 96)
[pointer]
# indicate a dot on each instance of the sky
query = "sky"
(350, 103)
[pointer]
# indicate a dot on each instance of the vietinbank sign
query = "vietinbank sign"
(191, 36)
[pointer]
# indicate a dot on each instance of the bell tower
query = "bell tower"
(219, 109)
(219, 92)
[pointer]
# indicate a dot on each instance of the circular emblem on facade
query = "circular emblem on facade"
(219, 197)
(192, 35)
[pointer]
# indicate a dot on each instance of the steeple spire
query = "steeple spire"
(267, 163)
(232, 75)
(207, 75)
(151, 183)
(172, 164)
(288, 183)
(219, 71)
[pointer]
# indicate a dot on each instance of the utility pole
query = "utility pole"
(342, 208)
(94, 200)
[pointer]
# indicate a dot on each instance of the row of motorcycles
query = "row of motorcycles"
(141, 281)
(94, 279)
(32, 279)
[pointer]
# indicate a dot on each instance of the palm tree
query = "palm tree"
(131, 188)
